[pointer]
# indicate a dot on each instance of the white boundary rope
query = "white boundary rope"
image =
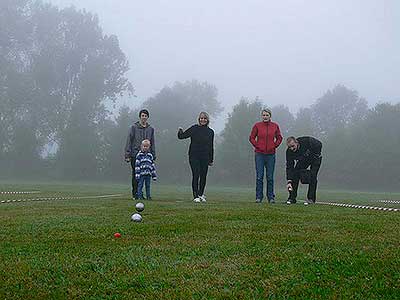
(359, 206)
(59, 198)
(15, 193)
(390, 201)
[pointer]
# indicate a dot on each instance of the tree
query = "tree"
(284, 118)
(15, 87)
(115, 134)
(337, 108)
(235, 157)
(366, 155)
(235, 154)
(84, 69)
(303, 124)
(58, 72)
(176, 106)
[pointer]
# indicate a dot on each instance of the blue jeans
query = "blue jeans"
(144, 180)
(265, 161)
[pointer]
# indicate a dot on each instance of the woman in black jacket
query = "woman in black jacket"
(201, 153)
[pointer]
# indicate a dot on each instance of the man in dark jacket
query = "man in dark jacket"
(139, 132)
(302, 153)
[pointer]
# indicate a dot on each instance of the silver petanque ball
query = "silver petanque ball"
(136, 217)
(139, 207)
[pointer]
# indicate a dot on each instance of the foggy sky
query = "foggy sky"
(285, 52)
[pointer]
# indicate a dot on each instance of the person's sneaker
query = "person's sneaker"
(203, 198)
(197, 200)
(288, 202)
(258, 200)
(271, 201)
(149, 198)
(308, 201)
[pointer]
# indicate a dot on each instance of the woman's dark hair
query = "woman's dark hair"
(144, 111)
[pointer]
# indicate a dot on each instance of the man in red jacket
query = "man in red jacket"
(265, 138)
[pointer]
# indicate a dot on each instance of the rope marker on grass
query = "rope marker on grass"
(15, 193)
(390, 201)
(60, 198)
(359, 206)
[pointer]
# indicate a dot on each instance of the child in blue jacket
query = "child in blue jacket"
(145, 169)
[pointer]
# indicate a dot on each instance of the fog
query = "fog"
(284, 52)
(74, 74)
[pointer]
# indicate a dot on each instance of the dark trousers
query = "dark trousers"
(134, 181)
(199, 166)
(312, 187)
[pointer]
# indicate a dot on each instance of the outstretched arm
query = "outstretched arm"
(185, 134)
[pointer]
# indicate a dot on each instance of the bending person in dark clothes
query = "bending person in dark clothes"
(301, 153)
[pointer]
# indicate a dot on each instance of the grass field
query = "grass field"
(228, 248)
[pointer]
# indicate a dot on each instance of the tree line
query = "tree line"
(60, 74)
(359, 143)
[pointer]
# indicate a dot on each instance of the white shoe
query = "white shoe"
(197, 200)
(203, 198)
(288, 202)
(308, 201)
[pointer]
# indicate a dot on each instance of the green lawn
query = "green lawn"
(228, 248)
